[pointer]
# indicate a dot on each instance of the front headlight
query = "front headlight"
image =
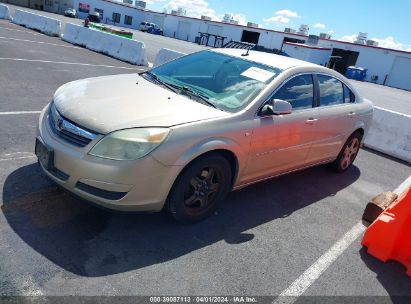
(129, 144)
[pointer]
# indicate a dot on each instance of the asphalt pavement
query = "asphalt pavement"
(261, 240)
(153, 42)
(385, 97)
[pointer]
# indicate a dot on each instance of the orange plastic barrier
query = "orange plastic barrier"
(389, 237)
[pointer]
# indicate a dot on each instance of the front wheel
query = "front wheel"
(348, 153)
(200, 188)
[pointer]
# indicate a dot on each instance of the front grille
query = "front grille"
(110, 195)
(67, 130)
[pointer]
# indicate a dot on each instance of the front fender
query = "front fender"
(184, 156)
(209, 145)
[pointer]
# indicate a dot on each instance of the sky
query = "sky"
(388, 22)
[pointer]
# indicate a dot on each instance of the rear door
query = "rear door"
(336, 118)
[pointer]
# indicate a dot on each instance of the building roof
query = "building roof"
(277, 61)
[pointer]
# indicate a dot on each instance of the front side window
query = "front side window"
(230, 83)
(299, 92)
(331, 91)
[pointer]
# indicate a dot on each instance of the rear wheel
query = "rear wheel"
(348, 153)
(200, 188)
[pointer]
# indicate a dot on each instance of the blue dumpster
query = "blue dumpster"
(356, 73)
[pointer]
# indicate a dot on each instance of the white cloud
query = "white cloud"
(388, 42)
(153, 1)
(287, 13)
(319, 25)
(349, 38)
(277, 19)
(281, 17)
(194, 8)
(241, 18)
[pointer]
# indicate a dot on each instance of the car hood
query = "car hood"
(108, 103)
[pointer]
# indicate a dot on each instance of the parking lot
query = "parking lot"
(260, 242)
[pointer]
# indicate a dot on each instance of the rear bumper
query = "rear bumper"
(140, 185)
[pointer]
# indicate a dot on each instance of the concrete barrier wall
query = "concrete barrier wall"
(166, 55)
(128, 50)
(4, 12)
(41, 23)
(390, 133)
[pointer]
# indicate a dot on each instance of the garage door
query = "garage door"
(159, 20)
(400, 75)
(183, 30)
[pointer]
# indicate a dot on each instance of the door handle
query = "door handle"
(311, 120)
(351, 114)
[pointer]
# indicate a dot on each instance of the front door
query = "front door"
(281, 143)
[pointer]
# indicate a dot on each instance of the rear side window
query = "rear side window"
(299, 92)
(331, 91)
(349, 96)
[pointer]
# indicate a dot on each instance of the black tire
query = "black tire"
(348, 153)
(199, 189)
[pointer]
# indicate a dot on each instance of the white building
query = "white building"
(390, 67)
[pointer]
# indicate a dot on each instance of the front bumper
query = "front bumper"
(140, 185)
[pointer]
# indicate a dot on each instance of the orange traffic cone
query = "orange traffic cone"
(389, 236)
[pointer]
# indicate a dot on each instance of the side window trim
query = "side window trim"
(316, 91)
(285, 82)
(351, 94)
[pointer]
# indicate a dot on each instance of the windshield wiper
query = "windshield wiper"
(190, 92)
(161, 82)
(182, 90)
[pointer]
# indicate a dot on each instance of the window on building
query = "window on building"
(116, 17)
(100, 11)
(128, 20)
(299, 92)
(331, 91)
(48, 2)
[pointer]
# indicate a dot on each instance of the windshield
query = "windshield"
(229, 83)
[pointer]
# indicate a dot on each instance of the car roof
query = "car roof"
(277, 61)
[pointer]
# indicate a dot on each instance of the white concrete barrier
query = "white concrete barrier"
(133, 51)
(118, 47)
(4, 12)
(71, 33)
(41, 23)
(166, 55)
(390, 133)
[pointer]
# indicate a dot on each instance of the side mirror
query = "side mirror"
(276, 107)
(281, 107)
